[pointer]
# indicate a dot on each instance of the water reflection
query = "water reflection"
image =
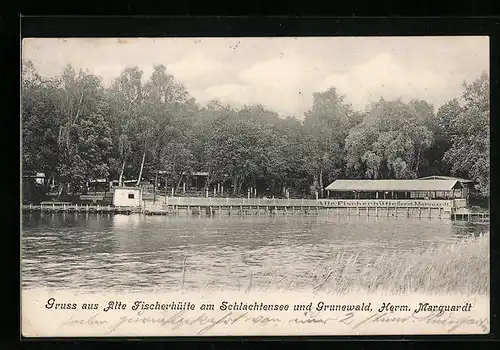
(147, 252)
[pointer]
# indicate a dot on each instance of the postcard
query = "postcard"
(255, 186)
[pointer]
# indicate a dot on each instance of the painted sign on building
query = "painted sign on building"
(386, 203)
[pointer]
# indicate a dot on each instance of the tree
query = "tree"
(84, 134)
(39, 123)
(74, 130)
(469, 153)
(246, 146)
(328, 123)
(165, 126)
(442, 130)
(389, 143)
(125, 98)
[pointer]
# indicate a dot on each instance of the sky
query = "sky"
(281, 73)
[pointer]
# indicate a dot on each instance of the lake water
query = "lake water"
(148, 253)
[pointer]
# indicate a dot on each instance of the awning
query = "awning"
(393, 185)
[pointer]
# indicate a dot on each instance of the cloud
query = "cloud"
(198, 69)
(234, 94)
(281, 73)
(282, 83)
(385, 76)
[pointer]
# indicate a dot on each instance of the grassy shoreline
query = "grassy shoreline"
(462, 267)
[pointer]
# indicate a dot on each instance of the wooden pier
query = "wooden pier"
(465, 214)
(63, 207)
(210, 206)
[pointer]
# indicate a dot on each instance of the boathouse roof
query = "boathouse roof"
(436, 177)
(393, 185)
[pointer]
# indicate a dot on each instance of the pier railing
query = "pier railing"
(68, 207)
(211, 201)
(447, 205)
(325, 203)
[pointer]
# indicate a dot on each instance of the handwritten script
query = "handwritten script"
(203, 323)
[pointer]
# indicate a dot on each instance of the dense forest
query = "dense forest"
(74, 129)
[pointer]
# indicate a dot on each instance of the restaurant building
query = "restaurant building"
(424, 188)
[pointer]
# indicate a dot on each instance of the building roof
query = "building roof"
(129, 188)
(98, 180)
(436, 177)
(33, 174)
(393, 185)
(193, 173)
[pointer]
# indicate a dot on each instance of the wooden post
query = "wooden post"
(222, 189)
(166, 194)
(183, 187)
(172, 191)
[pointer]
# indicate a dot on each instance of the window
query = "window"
(130, 196)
